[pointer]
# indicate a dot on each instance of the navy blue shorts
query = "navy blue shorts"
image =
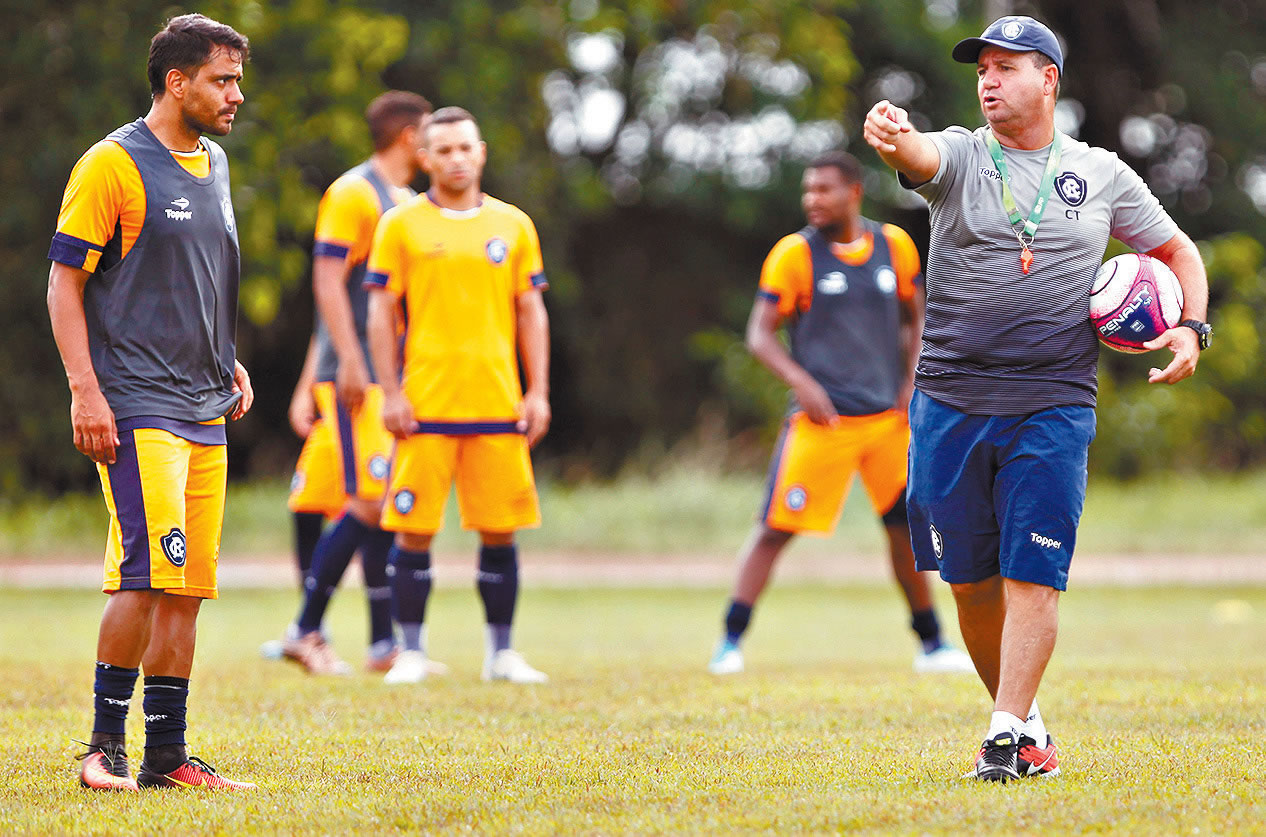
(997, 495)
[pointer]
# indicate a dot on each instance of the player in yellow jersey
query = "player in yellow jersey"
(142, 296)
(347, 454)
(846, 289)
(464, 270)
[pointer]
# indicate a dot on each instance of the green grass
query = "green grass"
(693, 509)
(1158, 701)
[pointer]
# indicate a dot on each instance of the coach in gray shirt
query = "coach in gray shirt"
(1003, 415)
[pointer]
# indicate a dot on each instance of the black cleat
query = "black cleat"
(996, 761)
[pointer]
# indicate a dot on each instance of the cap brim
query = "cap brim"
(967, 51)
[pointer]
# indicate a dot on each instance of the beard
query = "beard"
(203, 125)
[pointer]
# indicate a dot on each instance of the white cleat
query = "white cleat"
(510, 666)
(728, 659)
(413, 667)
(945, 660)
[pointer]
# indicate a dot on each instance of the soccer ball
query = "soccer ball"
(1133, 299)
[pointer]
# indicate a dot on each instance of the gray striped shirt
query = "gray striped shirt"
(998, 341)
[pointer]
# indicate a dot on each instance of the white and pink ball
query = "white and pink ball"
(1134, 298)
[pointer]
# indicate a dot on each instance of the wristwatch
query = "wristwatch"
(1203, 330)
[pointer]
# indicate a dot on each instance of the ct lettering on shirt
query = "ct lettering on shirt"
(104, 204)
(458, 276)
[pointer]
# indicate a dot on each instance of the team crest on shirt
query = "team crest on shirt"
(938, 543)
(403, 501)
(1071, 188)
(497, 250)
(226, 208)
(886, 280)
(174, 547)
(833, 283)
(796, 498)
(378, 467)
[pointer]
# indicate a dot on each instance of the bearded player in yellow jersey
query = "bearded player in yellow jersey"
(464, 270)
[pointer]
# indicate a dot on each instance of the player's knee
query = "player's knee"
(898, 514)
(498, 560)
(413, 542)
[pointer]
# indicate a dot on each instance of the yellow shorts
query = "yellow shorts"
(813, 467)
(496, 491)
(317, 485)
(165, 493)
(351, 456)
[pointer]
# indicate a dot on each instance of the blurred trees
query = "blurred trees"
(658, 145)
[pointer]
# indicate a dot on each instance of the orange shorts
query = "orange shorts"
(165, 495)
(496, 491)
(813, 467)
(317, 486)
(345, 455)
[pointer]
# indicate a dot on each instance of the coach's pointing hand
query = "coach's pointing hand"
(96, 436)
(884, 124)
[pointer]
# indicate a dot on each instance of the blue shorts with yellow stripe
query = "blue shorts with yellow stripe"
(165, 493)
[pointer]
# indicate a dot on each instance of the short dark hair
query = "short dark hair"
(1041, 60)
(450, 116)
(392, 112)
(186, 43)
(842, 161)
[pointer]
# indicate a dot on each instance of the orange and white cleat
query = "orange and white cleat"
(1037, 761)
(105, 768)
(194, 773)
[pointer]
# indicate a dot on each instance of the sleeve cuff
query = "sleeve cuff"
(330, 248)
(374, 279)
(768, 296)
(74, 252)
(539, 281)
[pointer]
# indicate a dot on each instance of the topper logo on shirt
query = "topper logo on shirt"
(181, 212)
(833, 283)
(497, 250)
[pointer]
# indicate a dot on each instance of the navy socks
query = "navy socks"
(333, 553)
(111, 696)
(410, 574)
(498, 583)
(737, 618)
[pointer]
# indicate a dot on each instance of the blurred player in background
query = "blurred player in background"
(1004, 412)
(464, 270)
(142, 296)
(346, 457)
(847, 290)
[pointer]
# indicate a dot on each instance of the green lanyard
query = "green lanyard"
(1025, 228)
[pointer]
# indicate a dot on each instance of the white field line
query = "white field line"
(621, 570)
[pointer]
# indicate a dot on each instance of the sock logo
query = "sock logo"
(1045, 542)
(490, 578)
(174, 547)
(113, 701)
(149, 719)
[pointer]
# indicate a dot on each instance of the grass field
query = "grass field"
(1157, 697)
(694, 508)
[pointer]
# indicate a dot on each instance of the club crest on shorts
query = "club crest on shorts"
(796, 498)
(497, 250)
(174, 547)
(296, 482)
(1071, 188)
(403, 501)
(938, 543)
(378, 467)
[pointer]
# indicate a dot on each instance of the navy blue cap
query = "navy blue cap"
(1016, 33)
